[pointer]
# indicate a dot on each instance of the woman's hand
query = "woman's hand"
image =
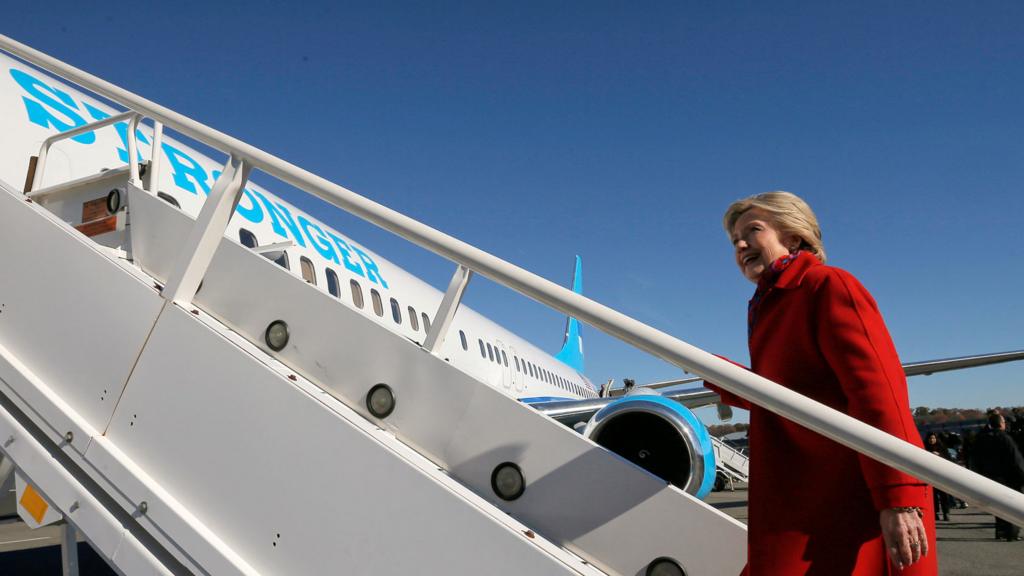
(904, 535)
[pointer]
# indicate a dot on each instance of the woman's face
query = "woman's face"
(758, 243)
(933, 439)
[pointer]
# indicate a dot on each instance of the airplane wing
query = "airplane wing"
(571, 412)
(932, 366)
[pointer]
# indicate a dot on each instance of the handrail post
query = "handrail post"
(206, 233)
(154, 157)
(446, 311)
(133, 151)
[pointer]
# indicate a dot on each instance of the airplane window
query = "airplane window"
(357, 294)
(308, 272)
(281, 259)
(414, 320)
(426, 322)
(396, 311)
(378, 306)
(533, 374)
(248, 239)
(462, 336)
(169, 199)
(332, 283)
(483, 353)
(504, 358)
(490, 351)
(515, 359)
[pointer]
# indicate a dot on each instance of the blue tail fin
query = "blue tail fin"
(571, 353)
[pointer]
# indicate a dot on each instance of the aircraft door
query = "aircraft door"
(505, 363)
(517, 375)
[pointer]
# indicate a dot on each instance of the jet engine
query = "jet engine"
(661, 436)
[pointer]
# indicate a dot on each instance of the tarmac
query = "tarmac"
(967, 544)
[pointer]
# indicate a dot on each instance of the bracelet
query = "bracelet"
(914, 509)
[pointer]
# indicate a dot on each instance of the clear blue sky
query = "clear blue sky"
(539, 130)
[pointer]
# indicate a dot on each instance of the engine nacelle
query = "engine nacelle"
(659, 435)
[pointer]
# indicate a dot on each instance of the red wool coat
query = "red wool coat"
(814, 504)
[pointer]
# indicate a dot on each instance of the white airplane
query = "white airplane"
(655, 431)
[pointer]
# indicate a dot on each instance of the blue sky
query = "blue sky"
(620, 132)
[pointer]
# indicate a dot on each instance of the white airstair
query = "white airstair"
(731, 463)
(152, 416)
(143, 406)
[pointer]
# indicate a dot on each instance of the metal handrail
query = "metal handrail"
(44, 148)
(863, 438)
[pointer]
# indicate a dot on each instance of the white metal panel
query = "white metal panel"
(193, 543)
(286, 482)
(70, 315)
(105, 532)
(159, 231)
(579, 495)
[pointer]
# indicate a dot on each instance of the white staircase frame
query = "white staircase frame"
(735, 465)
(986, 494)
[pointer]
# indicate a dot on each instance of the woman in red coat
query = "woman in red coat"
(817, 507)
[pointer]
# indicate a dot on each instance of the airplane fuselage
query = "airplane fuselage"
(34, 107)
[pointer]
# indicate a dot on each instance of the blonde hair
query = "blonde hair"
(788, 213)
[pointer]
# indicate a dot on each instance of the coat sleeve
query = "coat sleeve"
(728, 397)
(854, 341)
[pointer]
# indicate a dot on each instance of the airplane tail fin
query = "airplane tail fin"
(571, 353)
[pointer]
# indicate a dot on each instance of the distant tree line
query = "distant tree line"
(719, 430)
(923, 415)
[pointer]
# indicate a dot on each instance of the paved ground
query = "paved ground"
(967, 545)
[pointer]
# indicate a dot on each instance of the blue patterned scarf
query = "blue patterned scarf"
(764, 285)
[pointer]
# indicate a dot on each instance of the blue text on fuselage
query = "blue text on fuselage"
(50, 107)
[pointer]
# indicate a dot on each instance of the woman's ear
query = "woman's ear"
(792, 243)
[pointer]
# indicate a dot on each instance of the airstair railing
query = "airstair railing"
(844, 429)
(133, 122)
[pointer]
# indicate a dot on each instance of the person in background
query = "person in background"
(815, 506)
(955, 446)
(996, 456)
(1017, 430)
(935, 446)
